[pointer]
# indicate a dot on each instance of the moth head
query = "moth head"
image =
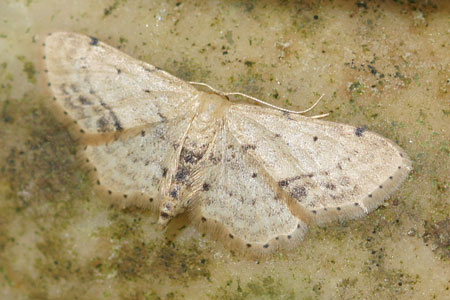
(168, 210)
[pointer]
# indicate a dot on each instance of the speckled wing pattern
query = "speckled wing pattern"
(252, 176)
(105, 90)
(327, 169)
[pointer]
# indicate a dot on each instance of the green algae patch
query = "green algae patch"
(439, 235)
(260, 288)
(28, 68)
(181, 263)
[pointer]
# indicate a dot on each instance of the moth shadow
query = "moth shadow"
(176, 227)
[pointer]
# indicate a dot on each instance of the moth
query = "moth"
(252, 176)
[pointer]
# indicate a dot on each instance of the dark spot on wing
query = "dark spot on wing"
(164, 215)
(298, 193)
(248, 146)
(163, 118)
(174, 193)
(84, 100)
(360, 130)
(283, 183)
(181, 174)
(249, 245)
(190, 157)
(254, 175)
(143, 133)
(214, 159)
(203, 219)
(315, 138)
(164, 172)
(118, 70)
(63, 89)
(102, 124)
(94, 41)
(117, 124)
(231, 236)
(266, 246)
(75, 88)
(205, 187)
(147, 91)
(330, 186)
(287, 181)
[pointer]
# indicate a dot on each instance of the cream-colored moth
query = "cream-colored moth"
(252, 176)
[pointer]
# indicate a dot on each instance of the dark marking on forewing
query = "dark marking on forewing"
(174, 193)
(84, 100)
(298, 193)
(182, 173)
(163, 118)
(248, 146)
(287, 181)
(214, 159)
(63, 89)
(102, 124)
(113, 115)
(190, 157)
(94, 41)
(330, 186)
(75, 88)
(360, 130)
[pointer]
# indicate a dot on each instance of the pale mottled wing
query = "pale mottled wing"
(134, 166)
(240, 204)
(328, 169)
(105, 90)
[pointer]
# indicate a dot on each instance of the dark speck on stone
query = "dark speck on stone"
(360, 130)
(94, 41)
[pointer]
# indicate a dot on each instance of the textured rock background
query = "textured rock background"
(384, 65)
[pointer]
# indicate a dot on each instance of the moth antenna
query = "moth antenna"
(299, 112)
(320, 116)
